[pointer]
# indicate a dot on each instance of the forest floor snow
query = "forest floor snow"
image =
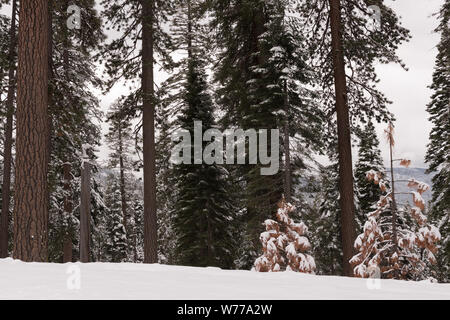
(19, 280)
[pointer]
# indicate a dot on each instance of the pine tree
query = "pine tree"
(261, 77)
(347, 28)
(73, 111)
(326, 239)
(31, 187)
(166, 191)
(9, 63)
(284, 244)
(136, 236)
(117, 243)
(129, 57)
(119, 139)
(369, 158)
(438, 153)
(203, 209)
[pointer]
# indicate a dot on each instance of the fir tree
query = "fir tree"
(166, 190)
(119, 139)
(261, 77)
(369, 158)
(326, 224)
(73, 111)
(129, 57)
(203, 210)
(438, 153)
(117, 243)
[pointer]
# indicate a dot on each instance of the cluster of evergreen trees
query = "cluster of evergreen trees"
(249, 64)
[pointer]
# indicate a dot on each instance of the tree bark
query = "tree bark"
(344, 142)
(31, 192)
(150, 221)
(85, 209)
(67, 168)
(7, 152)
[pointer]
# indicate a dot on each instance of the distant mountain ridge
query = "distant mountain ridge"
(419, 174)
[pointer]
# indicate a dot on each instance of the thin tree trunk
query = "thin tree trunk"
(31, 191)
(150, 221)
(344, 143)
(85, 211)
(7, 152)
(287, 151)
(394, 203)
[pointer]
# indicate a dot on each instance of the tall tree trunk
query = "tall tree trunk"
(67, 167)
(7, 152)
(50, 78)
(287, 151)
(85, 209)
(31, 192)
(344, 143)
(150, 221)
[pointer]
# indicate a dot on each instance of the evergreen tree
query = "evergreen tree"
(261, 77)
(31, 187)
(438, 153)
(348, 97)
(73, 112)
(369, 158)
(366, 41)
(128, 57)
(203, 209)
(119, 139)
(136, 236)
(166, 190)
(326, 239)
(117, 243)
(7, 63)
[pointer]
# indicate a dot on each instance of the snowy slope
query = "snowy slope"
(20, 280)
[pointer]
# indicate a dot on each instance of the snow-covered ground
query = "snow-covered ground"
(20, 280)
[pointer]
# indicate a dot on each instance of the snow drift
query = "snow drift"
(19, 280)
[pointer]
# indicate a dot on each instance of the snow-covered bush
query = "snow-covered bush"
(399, 241)
(284, 244)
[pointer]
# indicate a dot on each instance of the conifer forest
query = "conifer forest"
(262, 135)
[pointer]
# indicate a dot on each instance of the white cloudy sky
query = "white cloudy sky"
(406, 89)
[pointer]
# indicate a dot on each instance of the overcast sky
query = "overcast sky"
(408, 90)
